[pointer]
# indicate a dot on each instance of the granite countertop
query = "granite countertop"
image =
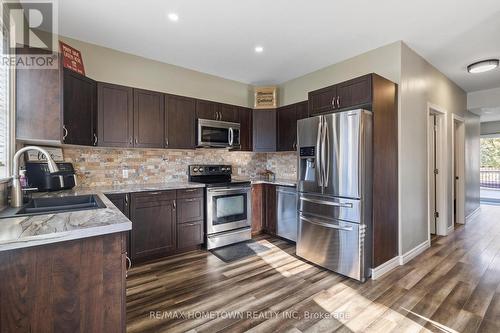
(27, 231)
(277, 181)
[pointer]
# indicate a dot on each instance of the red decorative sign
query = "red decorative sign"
(72, 58)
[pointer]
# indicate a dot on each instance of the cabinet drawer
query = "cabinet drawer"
(190, 209)
(189, 234)
(146, 199)
(190, 193)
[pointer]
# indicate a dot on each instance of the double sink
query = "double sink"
(40, 206)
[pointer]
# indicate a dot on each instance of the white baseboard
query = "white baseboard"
(386, 267)
(403, 259)
(473, 214)
(451, 228)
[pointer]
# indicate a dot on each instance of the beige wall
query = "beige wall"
(108, 65)
(421, 84)
(385, 61)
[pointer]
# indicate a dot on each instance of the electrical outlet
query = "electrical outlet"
(125, 173)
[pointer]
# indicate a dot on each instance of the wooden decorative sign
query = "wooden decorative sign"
(72, 58)
(266, 98)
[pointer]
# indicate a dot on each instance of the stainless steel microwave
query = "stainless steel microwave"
(218, 134)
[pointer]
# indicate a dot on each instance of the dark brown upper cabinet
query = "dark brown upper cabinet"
(228, 113)
(245, 117)
(79, 109)
(207, 110)
(264, 130)
(180, 122)
(287, 125)
(148, 119)
(345, 95)
(115, 115)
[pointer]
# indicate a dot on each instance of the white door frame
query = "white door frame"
(458, 148)
(441, 162)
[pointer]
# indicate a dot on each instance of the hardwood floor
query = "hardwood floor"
(452, 287)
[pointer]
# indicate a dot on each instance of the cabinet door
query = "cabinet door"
(270, 204)
(355, 92)
(79, 109)
(287, 128)
(228, 113)
(153, 218)
(207, 110)
(264, 130)
(148, 119)
(121, 201)
(115, 115)
(322, 100)
(180, 122)
(190, 209)
(258, 207)
(245, 116)
(189, 234)
(302, 110)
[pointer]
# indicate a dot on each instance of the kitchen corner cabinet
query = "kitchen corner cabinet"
(115, 115)
(180, 122)
(264, 130)
(122, 202)
(287, 117)
(148, 119)
(71, 286)
(346, 95)
(263, 209)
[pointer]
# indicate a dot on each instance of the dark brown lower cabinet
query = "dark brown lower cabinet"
(73, 286)
(153, 216)
(166, 222)
(121, 201)
(263, 209)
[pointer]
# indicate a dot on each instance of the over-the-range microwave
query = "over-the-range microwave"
(217, 134)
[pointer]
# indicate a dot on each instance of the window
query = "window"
(5, 139)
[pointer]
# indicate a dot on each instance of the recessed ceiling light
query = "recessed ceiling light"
(173, 17)
(259, 49)
(483, 66)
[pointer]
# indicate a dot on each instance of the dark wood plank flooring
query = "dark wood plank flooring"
(452, 287)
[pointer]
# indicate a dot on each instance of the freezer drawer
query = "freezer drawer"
(332, 244)
(330, 207)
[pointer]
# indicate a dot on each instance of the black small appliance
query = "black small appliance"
(39, 176)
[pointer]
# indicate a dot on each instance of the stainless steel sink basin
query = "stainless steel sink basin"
(54, 205)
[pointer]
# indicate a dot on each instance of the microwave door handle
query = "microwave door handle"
(231, 136)
(318, 155)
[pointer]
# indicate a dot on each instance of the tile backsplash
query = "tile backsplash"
(112, 166)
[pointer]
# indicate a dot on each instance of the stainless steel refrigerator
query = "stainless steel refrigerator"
(335, 192)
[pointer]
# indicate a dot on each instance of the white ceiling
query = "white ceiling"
(298, 36)
(488, 114)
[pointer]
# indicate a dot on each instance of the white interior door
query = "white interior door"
(432, 173)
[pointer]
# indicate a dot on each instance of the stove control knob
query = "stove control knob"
(200, 169)
(195, 169)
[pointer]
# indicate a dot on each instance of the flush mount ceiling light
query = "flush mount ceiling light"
(483, 66)
(259, 49)
(173, 17)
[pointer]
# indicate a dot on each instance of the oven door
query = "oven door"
(228, 208)
(219, 134)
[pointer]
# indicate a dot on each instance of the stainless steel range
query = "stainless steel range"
(228, 205)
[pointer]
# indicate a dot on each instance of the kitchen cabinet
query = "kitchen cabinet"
(115, 115)
(207, 110)
(71, 286)
(121, 201)
(258, 208)
(349, 94)
(190, 209)
(245, 117)
(229, 113)
(148, 119)
(287, 117)
(180, 122)
(79, 109)
(153, 216)
(270, 200)
(264, 130)
(189, 234)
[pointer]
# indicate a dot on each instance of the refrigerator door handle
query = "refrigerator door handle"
(326, 225)
(319, 171)
(326, 154)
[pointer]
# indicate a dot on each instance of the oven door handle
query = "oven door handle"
(228, 189)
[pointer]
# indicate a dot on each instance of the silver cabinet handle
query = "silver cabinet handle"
(126, 199)
(191, 190)
(155, 193)
(129, 265)
(192, 199)
(333, 102)
(166, 142)
(130, 140)
(338, 101)
(326, 225)
(319, 172)
(328, 203)
(174, 205)
(136, 141)
(65, 132)
(95, 139)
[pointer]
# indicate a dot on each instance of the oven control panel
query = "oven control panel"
(209, 170)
